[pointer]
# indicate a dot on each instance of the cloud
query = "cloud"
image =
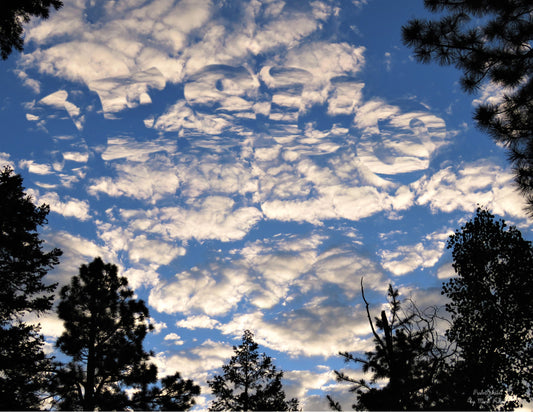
(312, 331)
(213, 291)
(137, 150)
(6, 161)
(50, 324)
(445, 271)
(197, 322)
(324, 61)
(79, 61)
(142, 274)
(345, 96)
(194, 363)
(394, 142)
(140, 248)
(404, 258)
(78, 157)
(471, 184)
(58, 100)
(76, 208)
(214, 217)
(77, 250)
(224, 88)
(36, 168)
(158, 326)
(491, 93)
(27, 81)
(215, 173)
(133, 49)
(350, 203)
(176, 339)
(301, 383)
(117, 93)
(149, 181)
(181, 118)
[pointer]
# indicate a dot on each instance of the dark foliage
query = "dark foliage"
(173, 394)
(408, 354)
(104, 332)
(23, 264)
(250, 382)
(488, 40)
(492, 315)
(13, 14)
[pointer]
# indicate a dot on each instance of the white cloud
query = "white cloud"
(341, 202)
(394, 142)
(36, 168)
(158, 326)
(445, 271)
(50, 324)
(127, 91)
(224, 88)
(76, 157)
(491, 93)
(198, 322)
(407, 258)
(212, 173)
(149, 181)
(194, 363)
(141, 274)
(345, 267)
(27, 81)
(76, 208)
(140, 248)
(214, 291)
(132, 149)
(299, 384)
(6, 161)
(77, 250)
(58, 100)
(181, 118)
(313, 331)
(346, 94)
(324, 61)
(215, 217)
(175, 338)
(480, 183)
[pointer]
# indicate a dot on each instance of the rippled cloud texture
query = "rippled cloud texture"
(245, 163)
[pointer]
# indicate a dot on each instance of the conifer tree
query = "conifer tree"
(104, 332)
(407, 354)
(23, 265)
(489, 41)
(172, 394)
(250, 382)
(492, 315)
(13, 13)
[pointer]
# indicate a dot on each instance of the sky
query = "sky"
(245, 164)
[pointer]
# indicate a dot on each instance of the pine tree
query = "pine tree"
(492, 315)
(173, 394)
(407, 354)
(13, 14)
(23, 265)
(250, 382)
(104, 332)
(489, 41)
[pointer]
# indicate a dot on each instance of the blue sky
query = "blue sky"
(245, 163)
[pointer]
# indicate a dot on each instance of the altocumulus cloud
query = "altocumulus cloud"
(244, 168)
